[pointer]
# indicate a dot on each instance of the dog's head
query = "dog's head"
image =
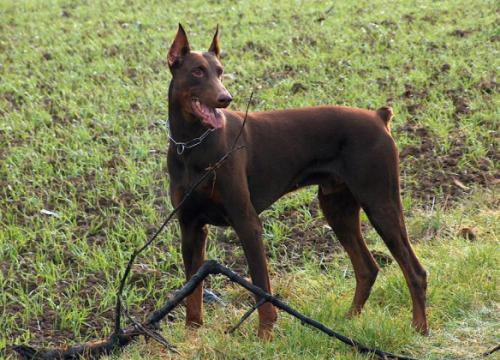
(197, 80)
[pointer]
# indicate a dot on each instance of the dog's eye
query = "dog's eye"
(220, 71)
(198, 72)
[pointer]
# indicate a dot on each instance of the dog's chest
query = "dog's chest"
(209, 193)
(205, 201)
(206, 191)
(209, 206)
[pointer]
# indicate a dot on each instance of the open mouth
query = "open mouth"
(212, 117)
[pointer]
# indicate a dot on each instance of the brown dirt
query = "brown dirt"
(298, 87)
(461, 32)
(259, 51)
(435, 173)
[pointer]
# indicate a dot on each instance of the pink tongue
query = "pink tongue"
(214, 119)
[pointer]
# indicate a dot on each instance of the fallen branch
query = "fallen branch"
(94, 350)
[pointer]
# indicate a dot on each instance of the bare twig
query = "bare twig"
(491, 351)
(246, 315)
(212, 267)
(322, 17)
(149, 332)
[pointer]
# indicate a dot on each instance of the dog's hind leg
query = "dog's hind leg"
(377, 190)
(342, 213)
(372, 175)
(386, 216)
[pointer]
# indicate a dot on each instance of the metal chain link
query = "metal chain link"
(180, 146)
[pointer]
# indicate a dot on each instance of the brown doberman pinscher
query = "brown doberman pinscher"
(349, 153)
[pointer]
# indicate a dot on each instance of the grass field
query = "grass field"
(83, 181)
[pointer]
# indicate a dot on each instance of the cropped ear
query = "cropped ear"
(179, 48)
(215, 47)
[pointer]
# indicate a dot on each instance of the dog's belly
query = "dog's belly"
(325, 174)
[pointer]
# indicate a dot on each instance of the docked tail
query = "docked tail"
(386, 114)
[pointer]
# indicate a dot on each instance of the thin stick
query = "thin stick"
(246, 315)
(244, 120)
(150, 332)
(491, 351)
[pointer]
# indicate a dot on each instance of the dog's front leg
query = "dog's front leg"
(247, 226)
(194, 238)
(249, 230)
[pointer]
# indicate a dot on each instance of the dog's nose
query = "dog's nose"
(224, 99)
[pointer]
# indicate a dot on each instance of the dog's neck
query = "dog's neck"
(183, 127)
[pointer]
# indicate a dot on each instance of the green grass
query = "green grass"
(82, 100)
